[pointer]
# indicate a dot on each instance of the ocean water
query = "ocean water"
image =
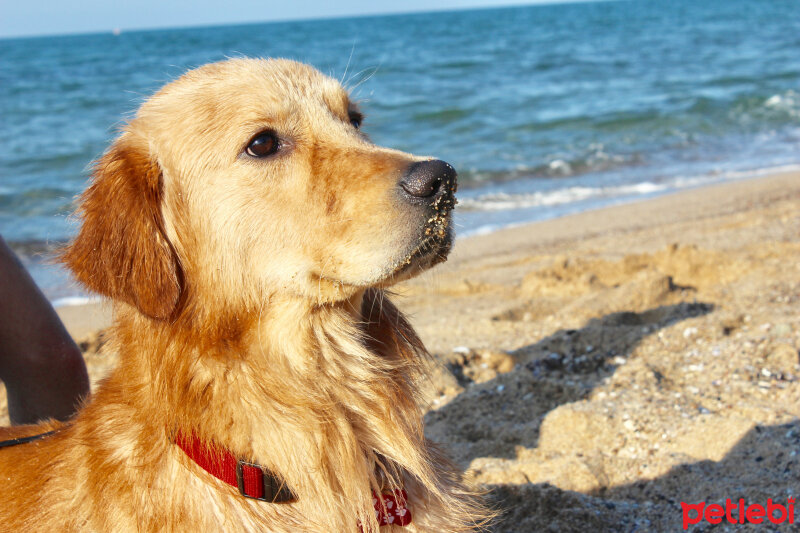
(544, 110)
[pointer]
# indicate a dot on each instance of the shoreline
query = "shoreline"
(556, 204)
(615, 216)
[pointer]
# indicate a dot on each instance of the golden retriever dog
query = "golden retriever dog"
(246, 229)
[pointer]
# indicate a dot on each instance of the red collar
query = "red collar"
(252, 480)
(255, 481)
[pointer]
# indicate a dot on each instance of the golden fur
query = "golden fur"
(249, 309)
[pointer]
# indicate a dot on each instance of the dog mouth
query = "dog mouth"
(434, 240)
(432, 249)
(434, 244)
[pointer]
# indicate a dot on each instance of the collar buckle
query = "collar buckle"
(273, 490)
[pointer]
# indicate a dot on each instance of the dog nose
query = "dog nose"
(428, 180)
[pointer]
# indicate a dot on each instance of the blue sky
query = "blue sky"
(47, 17)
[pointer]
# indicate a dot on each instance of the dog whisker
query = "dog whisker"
(363, 80)
(344, 75)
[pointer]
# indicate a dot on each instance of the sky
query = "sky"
(50, 17)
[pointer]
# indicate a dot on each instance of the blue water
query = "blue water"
(544, 110)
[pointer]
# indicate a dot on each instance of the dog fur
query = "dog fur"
(249, 309)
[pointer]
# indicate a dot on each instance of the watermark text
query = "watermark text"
(738, 512)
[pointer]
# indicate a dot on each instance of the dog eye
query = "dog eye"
(356, 119)
(264, 144)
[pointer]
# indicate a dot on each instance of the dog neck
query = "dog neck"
(323, 396)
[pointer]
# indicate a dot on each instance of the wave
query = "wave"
(505, 201)
(36, 248)
(788, 103)
(443, 116)
(33, 201)
(709, 107)
(75, 300)
(593, 158)
(747, 112)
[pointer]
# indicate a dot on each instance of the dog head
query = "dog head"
(247, 178)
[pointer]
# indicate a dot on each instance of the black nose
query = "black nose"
(428, 180)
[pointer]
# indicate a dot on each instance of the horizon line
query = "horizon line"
(122, 30)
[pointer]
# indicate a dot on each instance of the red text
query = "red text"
(738, 513)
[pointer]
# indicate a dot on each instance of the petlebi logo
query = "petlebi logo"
(738, 513)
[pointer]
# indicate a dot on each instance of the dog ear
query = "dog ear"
(121, 250)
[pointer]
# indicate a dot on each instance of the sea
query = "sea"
(544, 110)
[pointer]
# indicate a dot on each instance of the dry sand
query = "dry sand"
(600, 368)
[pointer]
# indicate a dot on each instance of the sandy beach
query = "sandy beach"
(599, 369)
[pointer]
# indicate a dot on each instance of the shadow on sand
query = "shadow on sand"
(562, 368)
(565, 367)
(655, 505)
